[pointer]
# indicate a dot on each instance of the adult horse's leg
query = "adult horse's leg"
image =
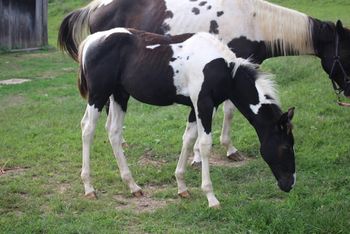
(225, 137)
(88, 125)
(114, 126)
(204, 112)
(197, 160)
(188, 138)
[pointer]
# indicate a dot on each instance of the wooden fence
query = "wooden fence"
(23, 24)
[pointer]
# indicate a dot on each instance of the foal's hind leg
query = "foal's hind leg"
(225, 138)
(188, 138)
(114, 126)
(88, 125)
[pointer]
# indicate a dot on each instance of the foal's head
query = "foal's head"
(278, 152)
(254, 95)
(335, 55)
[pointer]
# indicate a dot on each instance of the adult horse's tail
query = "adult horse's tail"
(74, 28)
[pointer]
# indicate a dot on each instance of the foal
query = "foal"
(196, 70)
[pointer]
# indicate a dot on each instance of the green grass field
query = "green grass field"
(40, 149)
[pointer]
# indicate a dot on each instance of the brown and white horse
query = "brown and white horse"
(196, 70)
(254, 29)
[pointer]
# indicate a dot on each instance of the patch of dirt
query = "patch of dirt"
(14, 170)
(13, 81)
(145, 204)
(218, 159)
(62, 188)
(13, 100)
(148, 159)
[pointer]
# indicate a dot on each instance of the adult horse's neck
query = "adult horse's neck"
(276, 31)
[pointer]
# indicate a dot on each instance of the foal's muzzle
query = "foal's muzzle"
(286, 183)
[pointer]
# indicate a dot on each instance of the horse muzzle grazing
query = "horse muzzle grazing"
(286, 183)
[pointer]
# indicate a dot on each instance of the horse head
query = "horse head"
(335, 57)
(278, 152)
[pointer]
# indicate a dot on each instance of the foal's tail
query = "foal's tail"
(74, 28)
(82, 85)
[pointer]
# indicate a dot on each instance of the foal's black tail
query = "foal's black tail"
(74, 28)
(82, 85)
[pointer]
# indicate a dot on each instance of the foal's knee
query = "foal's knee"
(205, 144)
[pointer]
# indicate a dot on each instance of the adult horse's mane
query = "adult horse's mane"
(271, 21)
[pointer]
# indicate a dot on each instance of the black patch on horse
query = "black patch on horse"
(219, 13)
(195, 10)
(214, 27)
(169, 14)
(202, 3)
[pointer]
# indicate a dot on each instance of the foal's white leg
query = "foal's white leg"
(114, 126)
(205, 145)
(88, 125)
(196, 162)
(188, 138)
(225, 137)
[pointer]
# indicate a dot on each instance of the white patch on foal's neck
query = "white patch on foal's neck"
(104, 3)
(265, 87)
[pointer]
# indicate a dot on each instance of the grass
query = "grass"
(40, 136)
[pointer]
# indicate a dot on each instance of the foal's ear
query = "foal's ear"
(285, 121)
(339, 27)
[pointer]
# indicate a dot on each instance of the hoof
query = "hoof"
(216, 207)
(91, 196)
(237, 157)
(138, 193)
(184, 194)
(196, 165)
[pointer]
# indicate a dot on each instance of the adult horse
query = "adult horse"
(196, 70)
(251, 28)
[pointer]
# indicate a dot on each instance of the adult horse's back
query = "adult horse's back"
(252, 28)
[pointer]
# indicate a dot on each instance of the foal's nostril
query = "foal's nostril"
(286, 185)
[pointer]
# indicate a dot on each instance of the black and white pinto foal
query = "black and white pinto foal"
(196, 70)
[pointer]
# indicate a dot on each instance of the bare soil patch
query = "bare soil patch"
(13, 81)
(148, 159)
(148, 203)
(14, 170)
(218, 159)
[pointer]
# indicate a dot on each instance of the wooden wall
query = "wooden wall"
(23, 24)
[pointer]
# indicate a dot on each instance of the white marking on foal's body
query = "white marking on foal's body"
(265, 86)
(95, 38)
(114, 127)
(151, 47)
(88, 125)
(104, 3)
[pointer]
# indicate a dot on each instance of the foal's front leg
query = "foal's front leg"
(204, 121)
(88, 126)
(114, 126)
(188, 138)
